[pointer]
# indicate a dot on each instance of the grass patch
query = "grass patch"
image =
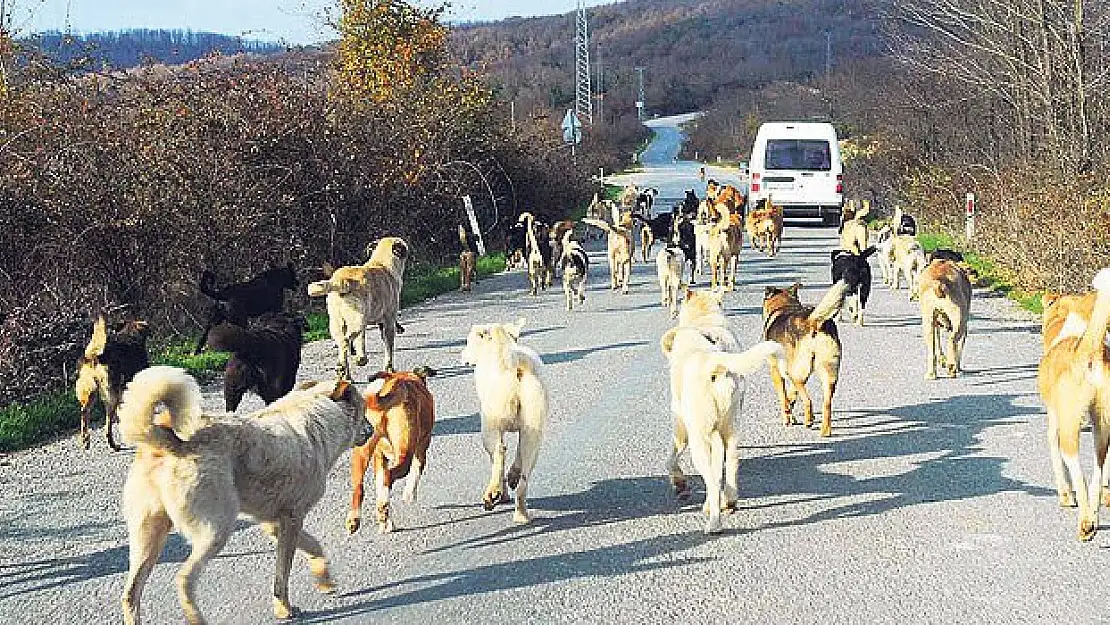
(203, 366)
(23, 425)
(988, 273)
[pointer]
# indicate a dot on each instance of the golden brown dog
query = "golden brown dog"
(725, 194)
(1074, 381)
(619, 244)
(467, 268)
(726, 239)
(764, 225)
(945, 294)
(1065, 315)
(809, 336)
(199, 472)
(402, 412)
(109, 363)
(361, 295)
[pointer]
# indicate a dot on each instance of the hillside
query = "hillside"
(129, 48)
(694, 52)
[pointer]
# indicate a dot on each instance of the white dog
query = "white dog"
(670, 263)
(707, 393)
(513, 399)
(909, 259)
(884, 242)
(701, 243)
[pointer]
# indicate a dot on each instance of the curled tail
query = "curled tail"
(321, 288)
(171, 387)
(598, 223)
(829, 305)
(750, 360)
(99, 339)
(1093, 336)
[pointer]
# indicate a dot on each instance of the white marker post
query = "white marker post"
(969, 220)
(469, 206)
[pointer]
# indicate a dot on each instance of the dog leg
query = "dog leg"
(567, 290)
(389, 337)
(678, 478)
(829, 373)
(317, 563)
(703, 447)
(360, 460)
(1063, 489)
(111, 415)
(785, 400)
(495, 447)
(1101, 437)
(207, 541)
(147, 533)
(1069, 450)
(415, 472)
(929, 333)
(626, 275)
(798, 378)
(84, 397)
(528, 450)
(732, 468)
(582, 287)
(383, 483)
(285, 532)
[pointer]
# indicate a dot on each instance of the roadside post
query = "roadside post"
(969, 219)
(572, 130)
(469, 207)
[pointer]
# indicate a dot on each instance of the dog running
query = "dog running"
(945, 297)
(619, 250)
(575, 265)
(854, 269)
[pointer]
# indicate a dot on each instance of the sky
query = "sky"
(288, 21)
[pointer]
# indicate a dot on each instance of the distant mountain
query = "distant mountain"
(128, 48)
(694, 51)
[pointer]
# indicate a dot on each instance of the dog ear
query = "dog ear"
(667, 342)
(400, 249)
(1049, 298)
(769, 292)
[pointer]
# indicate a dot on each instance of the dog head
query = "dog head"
(285, 277)
(490, 340)
(699, 304)
(776, 298)
(389, 252)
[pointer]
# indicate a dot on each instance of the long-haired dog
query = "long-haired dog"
(809, 336)
(513, 398)
(110, 360)
(401, 410)
(945, 297)
(264, 357)
(575, 265)
(854, 269)
(361, 295)
(468, 272)
(1065, 316)
(909, 260)
(764, 224)
(726, 239)
(619, 251)
(537, 254)
(707, 394)
(670, 264)
(241, 301)
(197, 473)
(1074, 381)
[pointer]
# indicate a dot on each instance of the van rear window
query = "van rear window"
(806, 154)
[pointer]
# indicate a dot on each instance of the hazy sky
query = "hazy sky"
(294, 21)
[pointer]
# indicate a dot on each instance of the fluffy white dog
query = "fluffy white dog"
(513, 399)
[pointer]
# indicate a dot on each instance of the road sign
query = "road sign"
(469, 207)
(572, 128)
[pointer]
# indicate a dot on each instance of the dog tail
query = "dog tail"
(865, 254)
(321, 288)
(829, 305)
(748, 361)
(99, 339)
(598, 223)
(1092, 341)
(208, 284)
(171, 387)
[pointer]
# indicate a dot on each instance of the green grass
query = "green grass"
(23, 425)
(989, 273)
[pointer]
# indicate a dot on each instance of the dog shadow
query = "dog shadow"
(652, 554)
(570, 355)
(465, 424)
(945, 432)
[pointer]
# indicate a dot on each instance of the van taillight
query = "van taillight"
(839, 183)
(755, 187)
(755, 175)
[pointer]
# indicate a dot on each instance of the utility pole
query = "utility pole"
(583, 94)
(828, 53)
(5, 46)
(600, 88)
(640, 95)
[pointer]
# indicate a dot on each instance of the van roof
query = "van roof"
(810, 129)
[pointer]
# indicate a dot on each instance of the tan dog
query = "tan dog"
(402, 412)
(619, 244)
(669, 265)
(1065, 315)
(764, 225)
(200, 472)
(809, 336)
(467, 268)
(513, 398)
(725, 194)
(726, 239)
(539, 272)
(1074, 381)
(853, 230)
(362, 295)
(909, 260)
(108, 364)
(945, 294)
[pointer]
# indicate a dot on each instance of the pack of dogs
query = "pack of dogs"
(197, 472)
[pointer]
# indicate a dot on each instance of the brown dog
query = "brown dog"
(945, 294)
(467, 269)
(619, 243)
(809, 336)
(109, 363)
(1074, 380)
(764, 226)
(726, 239)
(1064, 316)
(402, 412)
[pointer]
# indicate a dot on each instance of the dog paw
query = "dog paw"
(409, 495)
(492, 497)
(362, 361)
(826, 431)
(730, 506)
(325, 585)
(930, 375)
(520, 517)
(386, 528)
(1087, 529)
(713, 525)
(283, 611)
(353, 523)
(681, 487)
(513, 477)
(83, 440)
(1066, 499)
(1106, 496)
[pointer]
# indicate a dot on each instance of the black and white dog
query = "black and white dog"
(944, 254)
(856, 271)
(689, 206)
(683, 237)
(575, 264)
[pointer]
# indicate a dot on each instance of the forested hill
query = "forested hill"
(692, 51)
(128, 48)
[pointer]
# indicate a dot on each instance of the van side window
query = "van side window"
(813, 155)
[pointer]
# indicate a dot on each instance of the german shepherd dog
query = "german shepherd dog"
(402, 412)
(111, 359)
(1074, 381)
(265, 357)
(199, 472)
(361, 295)
(854, 269)
(241, 301)
(809, 336)
(945, 295)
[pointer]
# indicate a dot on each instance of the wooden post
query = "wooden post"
(969, 219)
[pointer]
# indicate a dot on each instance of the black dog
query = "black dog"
(908, 225)
(660, 227)
(265, 357)
(856, 271)
(690, 204)
(113, 356)
(684, 238)
(944, 254)
(236, 303)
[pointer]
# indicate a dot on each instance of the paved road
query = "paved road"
(931, 503)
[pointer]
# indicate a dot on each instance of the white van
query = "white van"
(798, 165)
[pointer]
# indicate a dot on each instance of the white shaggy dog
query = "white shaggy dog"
(575, 264)
(362, 295)
(198, 473)
(884, 242)
(909, 259)
(701, 242)
(513, 399)
(707, 393)
(670, 263)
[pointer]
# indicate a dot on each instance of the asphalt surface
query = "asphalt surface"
(931, 503)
